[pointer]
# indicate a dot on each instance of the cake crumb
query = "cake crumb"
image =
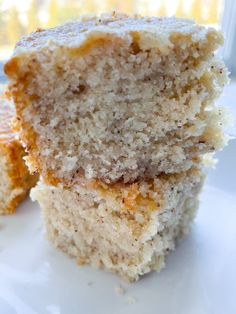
(131, 300)
(120, 290)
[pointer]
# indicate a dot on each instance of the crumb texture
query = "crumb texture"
(114, 228)
(118, 98)
(118, 116)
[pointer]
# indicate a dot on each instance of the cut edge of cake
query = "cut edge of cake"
(40, 122)
(127, 229)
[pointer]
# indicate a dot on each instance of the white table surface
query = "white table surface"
(200, 276)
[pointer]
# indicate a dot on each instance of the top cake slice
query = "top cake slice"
(117, 98)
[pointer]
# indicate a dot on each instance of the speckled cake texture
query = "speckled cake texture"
(128, 229)
(117, 97)
(118, 116)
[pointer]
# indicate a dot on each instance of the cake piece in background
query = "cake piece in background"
(117, 98)
(124, 228)
(15, 180)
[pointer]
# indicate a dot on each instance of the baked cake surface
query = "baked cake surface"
(15, 180)
(117, 98)
(125, 228)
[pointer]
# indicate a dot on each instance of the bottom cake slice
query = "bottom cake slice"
(124, 228)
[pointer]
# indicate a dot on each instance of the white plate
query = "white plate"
(200, 276)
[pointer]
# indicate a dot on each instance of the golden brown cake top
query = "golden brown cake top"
(73, 34)
(7, 112)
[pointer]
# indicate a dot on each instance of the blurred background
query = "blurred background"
(18, 17)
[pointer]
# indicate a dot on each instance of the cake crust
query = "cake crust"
(81, 33)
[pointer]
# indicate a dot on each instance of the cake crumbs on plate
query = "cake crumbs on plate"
(131, 300)
(120, 290)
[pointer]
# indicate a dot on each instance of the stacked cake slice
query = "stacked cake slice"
(117, 114)
(128, 229)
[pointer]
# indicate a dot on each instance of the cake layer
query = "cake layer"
(15, 180)
(124, 228)
(117, 98)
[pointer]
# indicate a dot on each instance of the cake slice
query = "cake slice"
(117, 114)
(15, 180)
(124, 228)
(117, 98)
